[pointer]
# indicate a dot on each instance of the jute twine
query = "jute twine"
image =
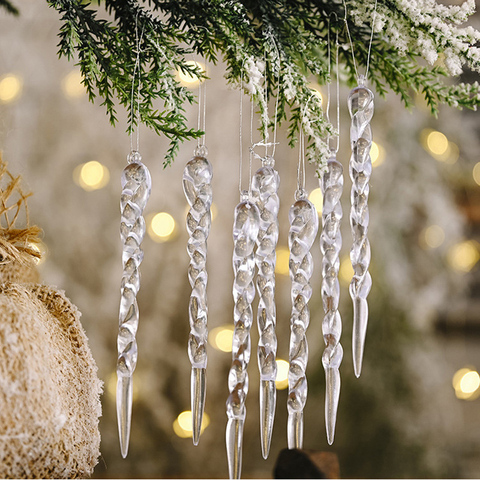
(49, 388)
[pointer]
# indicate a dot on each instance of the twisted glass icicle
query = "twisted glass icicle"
(330, 245)
(303, 230)
(264, 189)
(360, 106)
(197, 187)
(136, 186)
(245, 231)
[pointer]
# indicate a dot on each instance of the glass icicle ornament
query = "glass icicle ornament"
(136, 186)
(330, 244)
(264, 190)
(360, 106)
(303, 218)
(245, 231)
(197, 178)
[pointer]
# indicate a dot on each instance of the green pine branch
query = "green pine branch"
(280, 44)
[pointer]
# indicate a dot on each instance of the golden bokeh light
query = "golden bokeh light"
(437, 142)
(466, 383)
(282, 267)
(182, 426)
(161, 226)
(221, 338)
(42, 249)
(377, 154)
(476, 173)
(432, 237)
(463, 256)
(316, 197)
(281, 380)
(345, 272)
(111, 386)
(439, 147)
(317, 92)
(91, 175)
(10, 87)
(72, 85)
(190, 80)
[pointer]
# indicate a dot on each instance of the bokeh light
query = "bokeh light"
(282, 267)
(377, 154)
(316, 197)
(437, 143)
(463, 256)
(182, 426)
(10, 87)
(281, 380)
(91, 175)
(41, 248)
(345, 272)
(432, 237)
(188, 80)
(466, 383)
(317, 91)
(476, 173)
(72, 85)
(161, 226)
(439, 147)
(221, 338)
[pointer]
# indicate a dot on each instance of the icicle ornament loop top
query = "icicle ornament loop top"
(197, 178)
(303, 218)
(265, 186)
(361, 108)
(245, 231)
(136, 187)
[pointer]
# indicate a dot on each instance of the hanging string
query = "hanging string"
(371, 40)
(301, 161)
(241, 134)
(202, 108)
(251, 149)
(136, 111)
(369, 45)
(327, 113)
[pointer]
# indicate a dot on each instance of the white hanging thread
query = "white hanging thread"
(197, 178)
(361, 107)
(331, 185)
(136, 187)
(265, 186)
(245, 232)
(303, 230)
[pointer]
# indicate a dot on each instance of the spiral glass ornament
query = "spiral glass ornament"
(136, 186)
(245, 231)
(303, 230)
(197, 178)
(360, 106)
(330, 245)
(264, 190)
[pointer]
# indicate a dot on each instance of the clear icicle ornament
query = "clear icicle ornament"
(265, 185)
(360, 106)
(245, 231)
(136, 186)
(303, 230)
(197, 178)
(331, 184)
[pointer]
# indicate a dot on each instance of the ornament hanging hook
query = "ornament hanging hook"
(135, 109)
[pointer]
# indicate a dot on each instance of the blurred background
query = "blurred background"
(415, 410)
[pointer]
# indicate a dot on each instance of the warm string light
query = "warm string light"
(466, 383)
(182, 425)
(10, 88)
(438, 146)
(91, 175)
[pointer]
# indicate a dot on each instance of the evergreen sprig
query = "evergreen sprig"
(274, 48)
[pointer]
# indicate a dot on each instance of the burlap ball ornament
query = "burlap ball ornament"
(49, 388)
